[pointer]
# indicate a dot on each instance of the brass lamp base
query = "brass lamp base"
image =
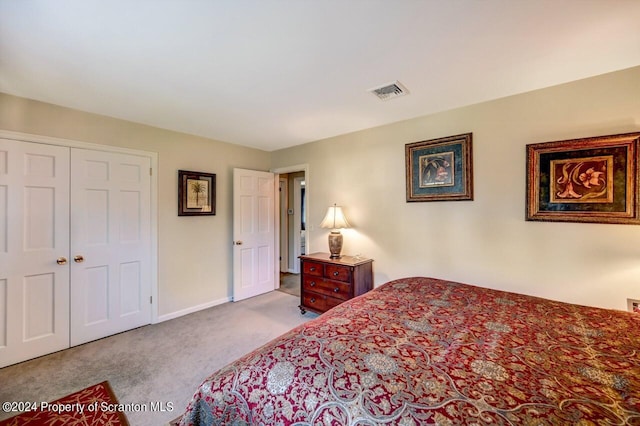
(335, 244)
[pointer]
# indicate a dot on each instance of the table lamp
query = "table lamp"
(334, 220)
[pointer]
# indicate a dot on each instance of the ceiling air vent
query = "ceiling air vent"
(390, 90)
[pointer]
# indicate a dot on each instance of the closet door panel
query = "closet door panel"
(110, 244)
(34, 250)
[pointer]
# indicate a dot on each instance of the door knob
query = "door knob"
(78, 259)
(238, 243)
(61, 261)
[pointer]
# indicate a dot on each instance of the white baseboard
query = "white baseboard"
(193, 309)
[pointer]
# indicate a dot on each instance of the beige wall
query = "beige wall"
(487, 241)
(194, 254)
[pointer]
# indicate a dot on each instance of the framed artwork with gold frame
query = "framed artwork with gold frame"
(440, 169)
(584, 180)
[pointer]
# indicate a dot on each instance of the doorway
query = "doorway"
(293, 241)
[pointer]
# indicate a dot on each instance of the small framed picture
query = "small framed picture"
(440, 169)
(196, 193)
(584, 180)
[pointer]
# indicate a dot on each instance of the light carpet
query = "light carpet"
(290, 283)
(157, 366)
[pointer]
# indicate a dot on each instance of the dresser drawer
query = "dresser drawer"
(330, 288)
(314, 301)
(337, 272)
(320, 302)
(312, 268)
(331, 302)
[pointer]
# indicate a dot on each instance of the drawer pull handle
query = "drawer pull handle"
(313, 300)
(312, 269)
(336, 290)
(336, 273)
(312, 284)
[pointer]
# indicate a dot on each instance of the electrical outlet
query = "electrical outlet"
(633, 305)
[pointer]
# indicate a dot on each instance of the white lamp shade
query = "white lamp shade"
(334, 219)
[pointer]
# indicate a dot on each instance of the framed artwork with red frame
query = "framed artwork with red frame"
(591, 180)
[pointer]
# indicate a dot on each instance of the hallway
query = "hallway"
(290, 283)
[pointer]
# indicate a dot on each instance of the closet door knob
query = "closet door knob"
(61, 261)
(78, 259)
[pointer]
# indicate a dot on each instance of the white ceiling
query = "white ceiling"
(276, 73)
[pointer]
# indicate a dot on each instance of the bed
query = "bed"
(418, 351)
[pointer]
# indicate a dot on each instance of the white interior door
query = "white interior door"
(34, 237)
(253, 233)
(110, 244)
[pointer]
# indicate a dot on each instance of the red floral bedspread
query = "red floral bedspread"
(421, 351)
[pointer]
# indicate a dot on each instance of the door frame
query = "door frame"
(304, 167)
(283, 217)
(48, 140)
(297, 221)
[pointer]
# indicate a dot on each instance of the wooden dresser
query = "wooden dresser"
(327, 282)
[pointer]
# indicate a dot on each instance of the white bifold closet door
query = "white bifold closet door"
(74, 247)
